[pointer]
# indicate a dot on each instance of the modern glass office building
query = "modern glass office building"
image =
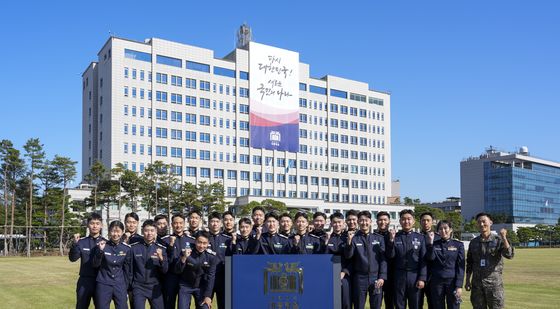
(255, 120)
(515, 187)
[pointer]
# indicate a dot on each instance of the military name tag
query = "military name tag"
(483, 263)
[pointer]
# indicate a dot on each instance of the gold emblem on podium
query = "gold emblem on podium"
(283, 278)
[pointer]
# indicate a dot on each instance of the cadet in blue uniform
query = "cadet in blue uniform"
(131, 235)
(228, 221)
(426, 222)
(366, 251)
(149, 264)
(219, 242)
(408, 251)
(113, 261)
(258, 217)
(336, 244)
(447, 257)
(351, 220)
(319, 221)
(174, 244)
(304, 242)
(286, 225)
(271, 242)
(81, 249)
(244, 243)
(198, 270)
(162, 225)
(383, 221)
(195, 222)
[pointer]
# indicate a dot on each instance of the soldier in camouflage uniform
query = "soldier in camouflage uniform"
(485, 265)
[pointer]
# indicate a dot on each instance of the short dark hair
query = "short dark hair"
(351, 212)
(132, 215)
(149, 222)
(301, 214)
(364, 213)
(482, 214)
(444, 222)
(406, 211)
(116, 223)
(319, 214)
(336, 215)
(256, 208)
(228, 213)
(194, 211)
(383, 213)
(271, 214)
(160, 217)
(204, 234)
(214, 215)
(178, 215)
(94, 216)
(244, 221)
(427, 213)
(287, 215)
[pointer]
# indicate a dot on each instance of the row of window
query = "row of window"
(178, 63)
(342, 109)
(177, 152)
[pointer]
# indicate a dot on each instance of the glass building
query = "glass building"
(514, 187)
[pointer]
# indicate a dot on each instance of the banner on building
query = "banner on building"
(274, 98)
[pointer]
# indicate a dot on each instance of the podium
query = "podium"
(283, 281)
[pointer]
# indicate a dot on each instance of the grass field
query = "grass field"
(532, 280)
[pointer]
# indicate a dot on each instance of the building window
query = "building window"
(197, 66)
(169, 61)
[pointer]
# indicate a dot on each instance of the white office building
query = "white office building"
(180, 104)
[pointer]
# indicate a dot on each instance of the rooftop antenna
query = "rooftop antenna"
(244, 36)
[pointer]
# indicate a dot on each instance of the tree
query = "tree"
(408, 201)
(36, 155)
(66, 169)
(50, 179)
(526, 234)
(188, 199)
(13, 168)
(96, 172)
(130, 183)
(212, 197)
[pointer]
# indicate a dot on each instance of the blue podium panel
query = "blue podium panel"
(284, 281)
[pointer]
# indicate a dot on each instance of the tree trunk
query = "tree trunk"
(95, 199)
(45, 225)
(168, 211)
(6, 198)
(62, 223)
(12, 221)
(29, 230)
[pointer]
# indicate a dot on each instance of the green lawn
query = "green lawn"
(532, 280)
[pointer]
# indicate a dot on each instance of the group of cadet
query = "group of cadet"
(399, 268)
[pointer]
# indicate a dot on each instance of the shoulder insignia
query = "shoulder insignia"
(283, 236)
(189, 236)
(160, 245)
(210, 251)
(134, 244)
(164, 237)
(226, 235)
(315, 236)
(125, 244)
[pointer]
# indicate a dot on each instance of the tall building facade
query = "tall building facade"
(177, 103)
(515, 187)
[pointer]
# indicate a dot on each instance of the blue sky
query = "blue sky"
(463, 76)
